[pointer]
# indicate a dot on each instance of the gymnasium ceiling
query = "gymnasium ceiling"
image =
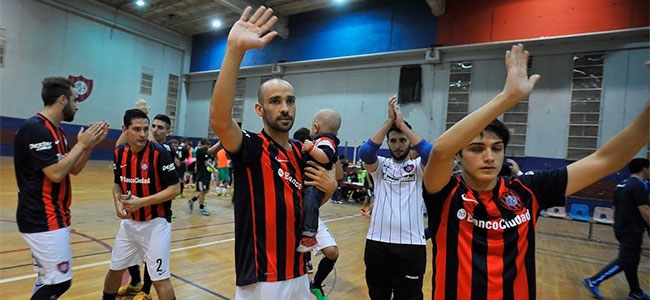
(190, 17)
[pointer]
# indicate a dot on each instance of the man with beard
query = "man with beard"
(43, 163)
(395, 254)
(268, 173)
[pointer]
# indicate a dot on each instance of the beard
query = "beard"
(68, 113)
(277, 126)
(399, 158)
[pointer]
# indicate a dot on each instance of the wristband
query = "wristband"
(311, 148)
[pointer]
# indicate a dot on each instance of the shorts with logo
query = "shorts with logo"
(324, 237)
(295, 289)
(52, 255)
(150, 240)
(203, 183)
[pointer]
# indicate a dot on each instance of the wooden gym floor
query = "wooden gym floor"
(202, 247)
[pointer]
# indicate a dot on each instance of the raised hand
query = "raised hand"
(93, 135)
(399, 117)
(518, 84)
(141, 104)
(391, 107)
(251, 32)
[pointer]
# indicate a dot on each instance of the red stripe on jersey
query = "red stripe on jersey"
(253, 217)
(441, 255)
(55, 217)
(270, 216)
(291, 213)
(464, 250)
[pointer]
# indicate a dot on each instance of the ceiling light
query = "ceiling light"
(216, 24)
(140, 3)
(339, 1)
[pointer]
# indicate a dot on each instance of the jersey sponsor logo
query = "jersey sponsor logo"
(40, 146)
(510, 200)
(63, 267)
(290, 179)
(169, 167)
(465, 198)
(497, 224)
(404, 178)
(414, 277)
(135, 180)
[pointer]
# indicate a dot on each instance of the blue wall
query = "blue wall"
(362, 28)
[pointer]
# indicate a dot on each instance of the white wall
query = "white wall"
(45, 40)
(360, 94)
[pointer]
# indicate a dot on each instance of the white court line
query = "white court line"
(17, 278)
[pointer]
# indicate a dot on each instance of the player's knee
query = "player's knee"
(332, 253)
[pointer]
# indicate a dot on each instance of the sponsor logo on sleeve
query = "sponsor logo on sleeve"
(40, 146)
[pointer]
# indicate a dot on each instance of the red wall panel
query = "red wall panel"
(479, 21)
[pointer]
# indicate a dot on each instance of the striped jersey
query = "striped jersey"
(484, 241)
(329, 144)
(397, 216)
(268, 210)
(43, 205)
(145, 173)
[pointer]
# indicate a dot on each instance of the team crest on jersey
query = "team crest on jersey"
(511, 201)
(63, 267)
(84, 86)
(144, 166)
(409, 168)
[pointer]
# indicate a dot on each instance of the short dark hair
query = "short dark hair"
(133, 113)
(164, 118)
(205, 142)
(396, 129)
(501, 130)
(302, 134)
(637, 164)
(53, 88)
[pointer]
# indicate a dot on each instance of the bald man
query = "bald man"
(322, 149)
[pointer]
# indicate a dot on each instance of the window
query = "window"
(237, 107)
(516, 119)
(410, 84)
(146, 81)
(586, 91)
(172, 99)
(460, 81)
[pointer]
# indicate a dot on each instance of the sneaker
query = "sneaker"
(142, 296)
(180, 196)
(310, 267)
(173, 216)
(306, 244)
(317, 291)
(129, 289)
(190, 203)
(640, 296)
(204, 212)
(593, 288)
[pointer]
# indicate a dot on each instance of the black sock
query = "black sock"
(146, 287)
(202, 206)
(108, 296)
(134, 272)
(52, 291)
(194, 199)
(325, 266)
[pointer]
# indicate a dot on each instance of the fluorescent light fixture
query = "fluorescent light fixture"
(216, 24)
(339, 1)
(140, 3)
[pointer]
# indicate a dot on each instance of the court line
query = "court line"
(81, 267)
